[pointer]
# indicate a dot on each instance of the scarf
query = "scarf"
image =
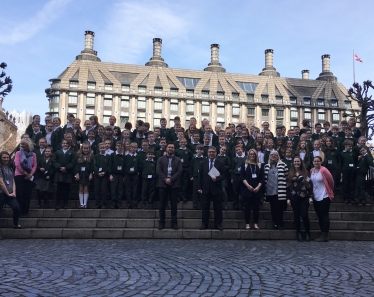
(26, 160)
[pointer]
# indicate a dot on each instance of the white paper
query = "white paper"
(214, 172)
(32, 178)
(150, 176)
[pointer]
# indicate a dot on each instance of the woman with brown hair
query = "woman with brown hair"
(299, 196)
(8, 188)
(252, 176)
(25, 163)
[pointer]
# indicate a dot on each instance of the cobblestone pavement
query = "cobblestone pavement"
(185, 268)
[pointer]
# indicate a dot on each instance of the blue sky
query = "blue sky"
(39, 39)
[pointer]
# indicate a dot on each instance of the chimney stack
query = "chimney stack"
(214, 64)
(305, 74)
(269, 69)
(157, 60)
(88, 53)
(326, 73)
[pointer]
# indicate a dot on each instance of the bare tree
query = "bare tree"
(5, 82)
(366, 117)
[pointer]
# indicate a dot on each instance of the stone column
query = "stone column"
(133, 109)
(273, 119)
(213, 113)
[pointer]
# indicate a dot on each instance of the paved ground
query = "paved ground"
(185, 268)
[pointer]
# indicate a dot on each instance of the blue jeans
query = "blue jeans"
(13, 204)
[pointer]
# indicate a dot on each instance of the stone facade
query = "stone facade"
(129, 92)
(8, 132)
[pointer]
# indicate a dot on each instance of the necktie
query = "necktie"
(211, 165)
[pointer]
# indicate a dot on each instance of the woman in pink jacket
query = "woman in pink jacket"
(25, 162)
(323, 193)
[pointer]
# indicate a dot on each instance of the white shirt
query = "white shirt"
(319, 190)
(48, 137)
(261, 156)
(302, 155)
(315, 153)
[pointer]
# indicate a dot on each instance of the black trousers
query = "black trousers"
(116, 189)
(62, 193)
(196, 197)
(101, 190)
(184, 184)
(277, 208)
(300, 207)
(148, 190)
(348, 181)
(131, 186)
(360, 192)
(322, 209)
(252, 203)
(165, 194)
(13, 204)
(217, 206)
(23, 193)
(236, 188)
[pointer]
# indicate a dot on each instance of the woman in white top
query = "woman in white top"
(323, 192)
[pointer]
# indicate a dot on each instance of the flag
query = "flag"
(357, 58)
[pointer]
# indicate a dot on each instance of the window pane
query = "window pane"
(55, 99)
(73, 99)
(320, 102)
(279, 99)
(158, 105)
(280, 113)
(158, 91)
(190, 107)
(235, 95)
(90, 100)
(125, 88)
(265, 112)
(220, 95)
(293, 100)
(73, 84)
(205, 94)
(189, 93)
(123, 120)
(307, 115)
(205, 109)
(306, 101)
(265, 98)
(174, 92)
(321, 116)
(294, 114)
(220, 109)
(91, 86)
(125, 103)
(142, 89)
(247, 87)
(108, 102)
(336, 117)
(174, 107)
(141, 104)
(251, 111)
(108, 87)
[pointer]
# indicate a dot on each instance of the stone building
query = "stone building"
(8, 131)
(129, 92)
(21, 120)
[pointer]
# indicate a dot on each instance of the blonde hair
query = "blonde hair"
(247, 161)
(28, 142)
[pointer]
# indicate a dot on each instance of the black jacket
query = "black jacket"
(206, 183)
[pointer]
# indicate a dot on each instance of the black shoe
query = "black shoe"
(307, 237)
(219, 227)
(299, 237)
(18, 227)
(174, 226)
(203, 227)
(161, 226)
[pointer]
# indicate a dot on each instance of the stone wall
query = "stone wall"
(8, 134)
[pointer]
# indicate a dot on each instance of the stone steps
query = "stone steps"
(74, 204)
(149, 233)
(182, 214)
(115, 223)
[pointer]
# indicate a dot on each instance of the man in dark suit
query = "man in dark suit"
(168, 171)
(213, 137)
(210, 188)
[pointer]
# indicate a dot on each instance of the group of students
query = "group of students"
(124, 163)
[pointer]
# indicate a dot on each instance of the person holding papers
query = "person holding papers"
(211, 174)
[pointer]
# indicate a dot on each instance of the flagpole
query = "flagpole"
(354, 70)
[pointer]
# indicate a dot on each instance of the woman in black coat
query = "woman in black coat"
(252, 176)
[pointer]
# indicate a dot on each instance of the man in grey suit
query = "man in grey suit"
(169, 171)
